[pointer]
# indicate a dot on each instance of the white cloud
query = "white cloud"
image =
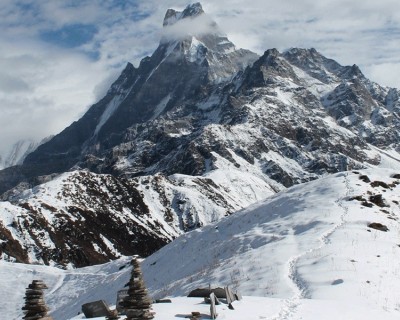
(198, 25)
(385, 72)
(44, 88)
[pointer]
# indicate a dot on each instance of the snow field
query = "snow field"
(306, 253)
(309, 242)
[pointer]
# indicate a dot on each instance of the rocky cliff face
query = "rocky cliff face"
(197, 131)
(78, 219)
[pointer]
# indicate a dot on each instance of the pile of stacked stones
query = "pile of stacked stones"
(137, 304)
(35, 308)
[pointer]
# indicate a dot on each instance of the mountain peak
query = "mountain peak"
(196, 38)
(191, 11)
(189, 23)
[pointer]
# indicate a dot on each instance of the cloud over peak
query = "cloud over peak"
(191, 26)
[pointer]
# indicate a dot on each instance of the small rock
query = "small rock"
(378, 226)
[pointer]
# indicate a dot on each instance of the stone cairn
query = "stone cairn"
(137, 304)
(35, 308)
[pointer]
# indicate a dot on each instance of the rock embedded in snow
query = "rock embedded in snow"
(378, 226)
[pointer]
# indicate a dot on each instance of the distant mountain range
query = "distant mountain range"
(196, 132)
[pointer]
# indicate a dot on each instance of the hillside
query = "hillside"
(307, 250)
(80, 218)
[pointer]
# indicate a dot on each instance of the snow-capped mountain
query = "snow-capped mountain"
(199, 130)
(326, 249)
(194, 98)
(183, 69)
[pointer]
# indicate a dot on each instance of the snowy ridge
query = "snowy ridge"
(46, 224)
(79, 219)
(192, 10)
(111, 108)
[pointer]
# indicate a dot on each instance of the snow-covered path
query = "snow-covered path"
(299, 285)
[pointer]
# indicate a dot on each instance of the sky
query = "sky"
(58, 57)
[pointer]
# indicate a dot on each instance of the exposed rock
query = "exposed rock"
(378, 200)
(382, 184)
(378, 226)
(365, 178)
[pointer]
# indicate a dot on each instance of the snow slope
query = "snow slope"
(310, 242)
(307, 251)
